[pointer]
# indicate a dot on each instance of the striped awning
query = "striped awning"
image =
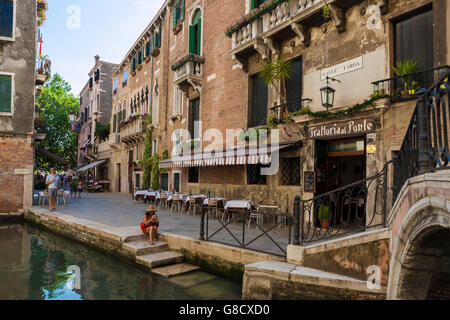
(229, 157)
(91, 165)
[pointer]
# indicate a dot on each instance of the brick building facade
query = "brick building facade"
(17, 96)
(192, 63)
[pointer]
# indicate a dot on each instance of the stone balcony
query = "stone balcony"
(103, 147)
(188, 72)
(114, 141)
(133, 132)
(262, 28)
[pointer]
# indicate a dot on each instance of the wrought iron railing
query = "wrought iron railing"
(281, 110)
(406, 87)
(263, 234)
(426, 144)
(349, 209)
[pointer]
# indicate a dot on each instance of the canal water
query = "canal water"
(36, 265)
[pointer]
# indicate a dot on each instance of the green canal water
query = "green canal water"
(34, 266)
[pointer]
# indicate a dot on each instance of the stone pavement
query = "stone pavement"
(120, 210)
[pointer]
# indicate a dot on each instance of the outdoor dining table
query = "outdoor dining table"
(239, 206)
(150, 196)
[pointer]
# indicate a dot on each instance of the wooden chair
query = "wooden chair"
(42, 196)
(212, 206)
(163, 200)
(60, 194)
(175, 202)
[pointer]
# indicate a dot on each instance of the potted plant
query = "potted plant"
(275, 73)
(326, 12)
(324, 215)
(147, 59)
(139, 67)
(155, 52)
(402, 69)
(271, 120)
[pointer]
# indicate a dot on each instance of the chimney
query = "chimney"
(97, 59)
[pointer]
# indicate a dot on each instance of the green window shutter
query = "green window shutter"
(157, 41)
(191, 39)
(115, 123)
(199, 35)
(147, 49)
(182, 11)
(253, 6)
(175, 17)
(5, 93)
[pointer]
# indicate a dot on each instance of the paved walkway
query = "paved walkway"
(119, 210)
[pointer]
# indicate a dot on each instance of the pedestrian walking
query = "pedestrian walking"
(52, 181)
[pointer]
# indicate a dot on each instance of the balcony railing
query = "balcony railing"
(273, 13)
(188, 68)
(133, 131)
(406, 87)
(290, 107)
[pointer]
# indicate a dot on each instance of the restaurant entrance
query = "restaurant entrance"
(340, 163)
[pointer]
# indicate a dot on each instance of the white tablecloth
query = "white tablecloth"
(238, 204)
(140, 193)
(218, 199)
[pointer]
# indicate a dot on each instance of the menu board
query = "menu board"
(309, 181)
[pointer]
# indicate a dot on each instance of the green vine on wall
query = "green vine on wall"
(356, 107)
(146, 161)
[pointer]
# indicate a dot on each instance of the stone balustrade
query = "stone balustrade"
(133, 130)
(190, 68)
(272, 17)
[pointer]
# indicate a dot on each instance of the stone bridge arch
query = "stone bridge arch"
(420, 261)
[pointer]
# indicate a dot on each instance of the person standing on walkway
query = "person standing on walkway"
(52, 181)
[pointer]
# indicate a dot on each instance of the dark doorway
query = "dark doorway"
(130, 172)
(194, 116)
(258, 111)
(340, 163)
(413, 39)
(294, 86)
(176, 182)
(118, 177)
(165, 181)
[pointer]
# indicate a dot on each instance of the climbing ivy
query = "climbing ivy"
(146, 161)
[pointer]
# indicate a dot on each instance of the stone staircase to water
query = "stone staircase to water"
(158, 258)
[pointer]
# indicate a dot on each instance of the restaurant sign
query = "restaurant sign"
(342, 129)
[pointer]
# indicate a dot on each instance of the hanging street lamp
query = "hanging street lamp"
(327, 94)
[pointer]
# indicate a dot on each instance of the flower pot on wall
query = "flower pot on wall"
(324, 224)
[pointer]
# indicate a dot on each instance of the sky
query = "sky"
(105, 27)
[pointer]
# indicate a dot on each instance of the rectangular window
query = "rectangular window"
(91, 83)
(165, 181)
(7, 17)
(115, 123)
(154, 146)
(413, 39)
(6, 94)
(193, 175)
(125, 77)
(194, 116)
(289, 172)
(258, 103)
(254, 175)
(115, 85)
(138, 181)
(177, 101)
(294, 86)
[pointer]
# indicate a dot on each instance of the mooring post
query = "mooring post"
(202, 223)
(296, 221)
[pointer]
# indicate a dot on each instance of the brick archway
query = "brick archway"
(420, 262)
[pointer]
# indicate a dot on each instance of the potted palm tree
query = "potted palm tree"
(275, 72)
(402, 69)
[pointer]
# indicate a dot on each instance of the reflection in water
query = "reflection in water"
(34, 265)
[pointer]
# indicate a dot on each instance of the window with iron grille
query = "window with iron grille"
(193, 175)
(289, 172)
(254, 174)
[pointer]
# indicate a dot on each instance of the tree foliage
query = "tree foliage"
(275, 72)
(55, 102)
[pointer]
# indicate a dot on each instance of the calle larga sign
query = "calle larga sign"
(342, 129)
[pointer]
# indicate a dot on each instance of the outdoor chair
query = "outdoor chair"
(61, 194)
(212, 206)
(194, 202)
(42, 196)
(176, 199)
(163, 200)
(265, 207)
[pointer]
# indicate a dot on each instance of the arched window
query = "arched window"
(195, 31)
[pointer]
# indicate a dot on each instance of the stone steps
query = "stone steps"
(158, 259)
(175, 269)
(144, 247)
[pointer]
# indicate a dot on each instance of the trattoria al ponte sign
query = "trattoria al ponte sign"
(342, 129)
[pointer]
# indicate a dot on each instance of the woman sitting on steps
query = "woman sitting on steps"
(150, 224)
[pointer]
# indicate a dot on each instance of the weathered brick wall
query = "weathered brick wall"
(16, 153)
